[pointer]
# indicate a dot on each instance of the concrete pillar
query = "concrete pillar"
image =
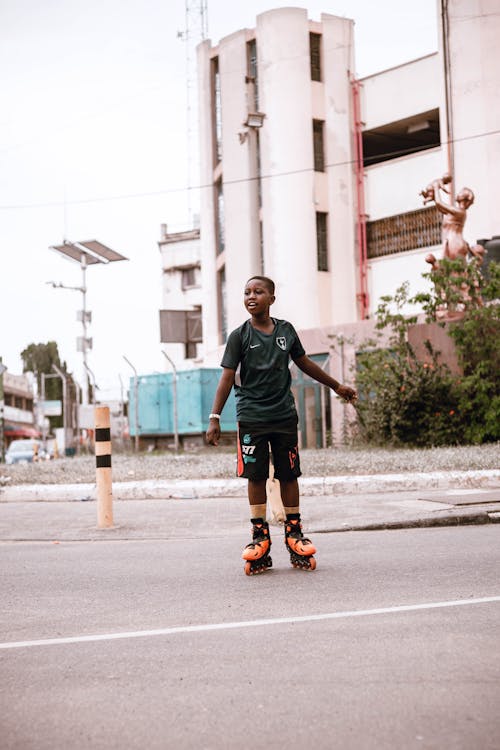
(289, 221)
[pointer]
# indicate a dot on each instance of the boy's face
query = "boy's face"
(257, 297)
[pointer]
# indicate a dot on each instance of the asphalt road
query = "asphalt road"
(385, 645)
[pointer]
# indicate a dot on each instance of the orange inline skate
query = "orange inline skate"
(300, 548)
(256, 553)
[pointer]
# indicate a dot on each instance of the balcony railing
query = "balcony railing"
(408, 231)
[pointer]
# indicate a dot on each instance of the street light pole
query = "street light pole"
(136, 405)
(77, 418)
(88, 252)
(85, 340)
(44, 377)
(64, 404)
(122, 410)
(87, 369)
(85, 317)
(174, 395)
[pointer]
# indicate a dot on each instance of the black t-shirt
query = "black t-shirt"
(263, 388)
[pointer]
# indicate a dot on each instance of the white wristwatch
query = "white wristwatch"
(214, 416)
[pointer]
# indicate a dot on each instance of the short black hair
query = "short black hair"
(267, 281)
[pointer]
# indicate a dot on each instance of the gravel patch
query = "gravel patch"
(220, 463)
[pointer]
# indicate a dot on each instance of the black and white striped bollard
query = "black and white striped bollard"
(103, 467)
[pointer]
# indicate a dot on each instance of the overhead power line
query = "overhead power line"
(237, 181)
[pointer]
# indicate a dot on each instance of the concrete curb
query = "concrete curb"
(460, 518)
(217, 488)
(122, 533)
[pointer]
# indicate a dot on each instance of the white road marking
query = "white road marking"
(248, 623)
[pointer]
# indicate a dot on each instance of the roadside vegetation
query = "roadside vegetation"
(407, 402)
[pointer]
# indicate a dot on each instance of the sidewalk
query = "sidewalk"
(204, 508)
(155, 489)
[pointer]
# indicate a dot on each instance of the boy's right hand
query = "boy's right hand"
(213, 432)
(347, 393)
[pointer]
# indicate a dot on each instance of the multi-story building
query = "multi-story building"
(314, 177)
(19, 417)
(275, 114)
(180, 316)
(299, 156)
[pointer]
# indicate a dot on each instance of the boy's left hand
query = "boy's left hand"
(348, 394)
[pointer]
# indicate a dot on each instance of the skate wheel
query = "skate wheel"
(255, 567)
(303, 563)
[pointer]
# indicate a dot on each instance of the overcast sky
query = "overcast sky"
(93, 145)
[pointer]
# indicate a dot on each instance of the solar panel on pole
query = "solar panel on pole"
(86, 253)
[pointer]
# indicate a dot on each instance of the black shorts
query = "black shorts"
(254, 441)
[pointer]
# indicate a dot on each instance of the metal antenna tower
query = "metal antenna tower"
(195, 31)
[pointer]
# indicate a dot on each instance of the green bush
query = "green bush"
(478, 345)
(403, 401)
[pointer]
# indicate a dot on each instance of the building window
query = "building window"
(216, 110)
(252, 76)
(190, 350)
(318, 145)
(401, 138)
(322, 240)
(221, 288)
(408, 231)
(315, 55)
(188, 277)
(181, 327)
(219, 217)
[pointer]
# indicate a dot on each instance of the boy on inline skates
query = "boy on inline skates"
(256, 362)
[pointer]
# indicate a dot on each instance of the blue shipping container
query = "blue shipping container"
(195, 394)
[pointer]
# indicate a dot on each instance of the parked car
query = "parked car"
(24, 451)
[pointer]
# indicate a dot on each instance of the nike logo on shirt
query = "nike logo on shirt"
(252, 346)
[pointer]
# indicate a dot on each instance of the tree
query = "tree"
(403, 401)
(39, 358)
